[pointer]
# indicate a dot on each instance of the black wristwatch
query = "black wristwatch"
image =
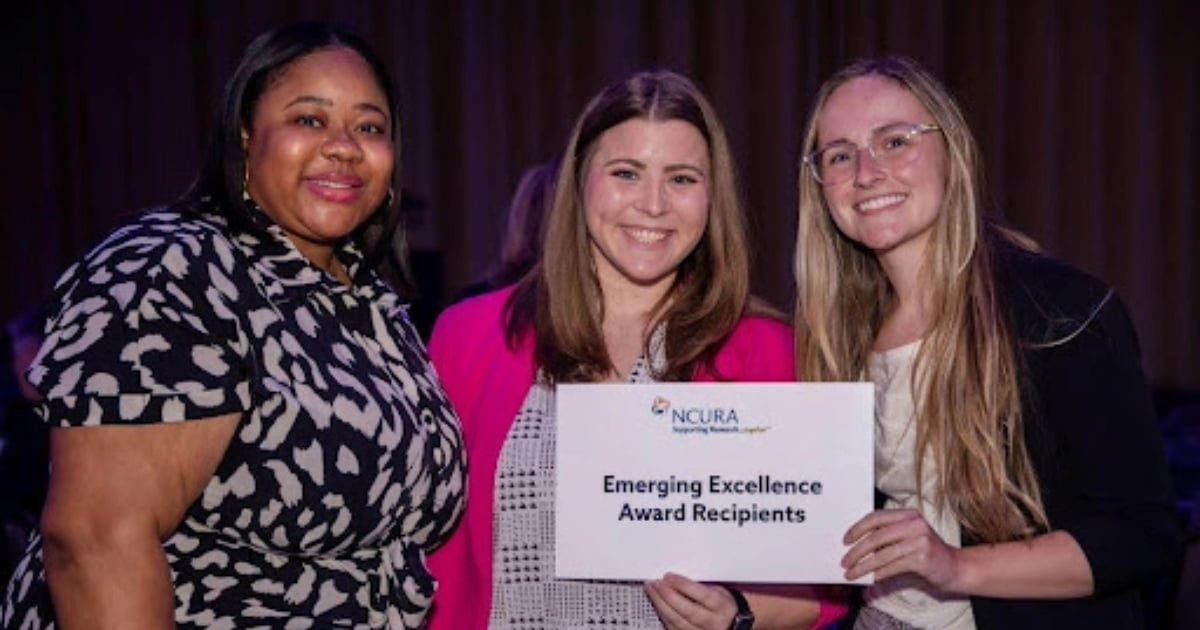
(743, 619)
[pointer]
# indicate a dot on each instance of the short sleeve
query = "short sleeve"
(142, 333)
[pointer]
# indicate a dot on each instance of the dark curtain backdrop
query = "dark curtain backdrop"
(1087, 113)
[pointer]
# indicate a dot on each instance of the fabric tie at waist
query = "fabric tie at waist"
(400, 588)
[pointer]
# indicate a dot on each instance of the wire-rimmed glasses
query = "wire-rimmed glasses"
(891, 146)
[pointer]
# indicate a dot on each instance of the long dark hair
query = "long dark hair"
(219, 186)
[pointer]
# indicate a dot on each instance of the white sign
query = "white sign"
(735, 482)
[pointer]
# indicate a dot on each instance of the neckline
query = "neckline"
(901, 350)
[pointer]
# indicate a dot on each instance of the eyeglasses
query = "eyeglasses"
(891, 146)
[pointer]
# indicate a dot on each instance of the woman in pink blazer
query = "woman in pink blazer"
(644, 278)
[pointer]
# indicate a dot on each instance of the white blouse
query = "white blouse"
(907, 597)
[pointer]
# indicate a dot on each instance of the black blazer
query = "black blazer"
(1093, 435)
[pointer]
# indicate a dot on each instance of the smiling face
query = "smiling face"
(645, 195)
(319, 155)
(889, 210)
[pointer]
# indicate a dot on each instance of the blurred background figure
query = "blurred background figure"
(24, 439)
(525, 228)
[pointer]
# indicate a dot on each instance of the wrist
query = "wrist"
(963, 572)
(743, 617)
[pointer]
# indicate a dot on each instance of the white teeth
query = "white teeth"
(325, 184)
(646, 236)
(879, 202)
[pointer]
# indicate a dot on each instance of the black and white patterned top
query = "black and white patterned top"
(525, 593)
(347, 465)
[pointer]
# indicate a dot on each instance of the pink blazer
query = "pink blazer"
(487, 382)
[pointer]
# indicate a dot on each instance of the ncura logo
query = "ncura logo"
(704, 416)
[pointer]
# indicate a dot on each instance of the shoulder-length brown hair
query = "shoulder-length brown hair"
(560, 300)
(966, 381)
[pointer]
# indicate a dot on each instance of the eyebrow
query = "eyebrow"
(844, 140)
(321, 101)
(670, 168)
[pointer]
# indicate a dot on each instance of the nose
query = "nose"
(867, 170)
(341, 145)
(653, 200)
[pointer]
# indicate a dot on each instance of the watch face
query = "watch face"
(742, 621)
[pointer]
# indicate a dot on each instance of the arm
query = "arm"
(486, 384)
(103, 533)
(465, 338)
(447, 563)
(892, 542)
(142, 341)
(1050, 566)
(793, 606)
(1110, 489)
(686, 604)
(1104, 484)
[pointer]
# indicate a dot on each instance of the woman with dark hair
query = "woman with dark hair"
(247, 430)
(644, 277)
(1015, 440)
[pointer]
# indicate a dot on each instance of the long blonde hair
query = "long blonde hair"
(967, 373)
(560, 300)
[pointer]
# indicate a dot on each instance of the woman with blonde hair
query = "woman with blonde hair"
(644, 277)
(1016, 444)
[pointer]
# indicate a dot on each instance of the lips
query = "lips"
(881, 202)
(646, 236)
(335, 187)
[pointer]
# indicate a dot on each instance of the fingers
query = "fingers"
(884, 560)
(708, 596)
(875, 520)
(891, 542)
(672, 618)
(880, 529)
(684, 604)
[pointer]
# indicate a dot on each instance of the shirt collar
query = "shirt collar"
(285, 275)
